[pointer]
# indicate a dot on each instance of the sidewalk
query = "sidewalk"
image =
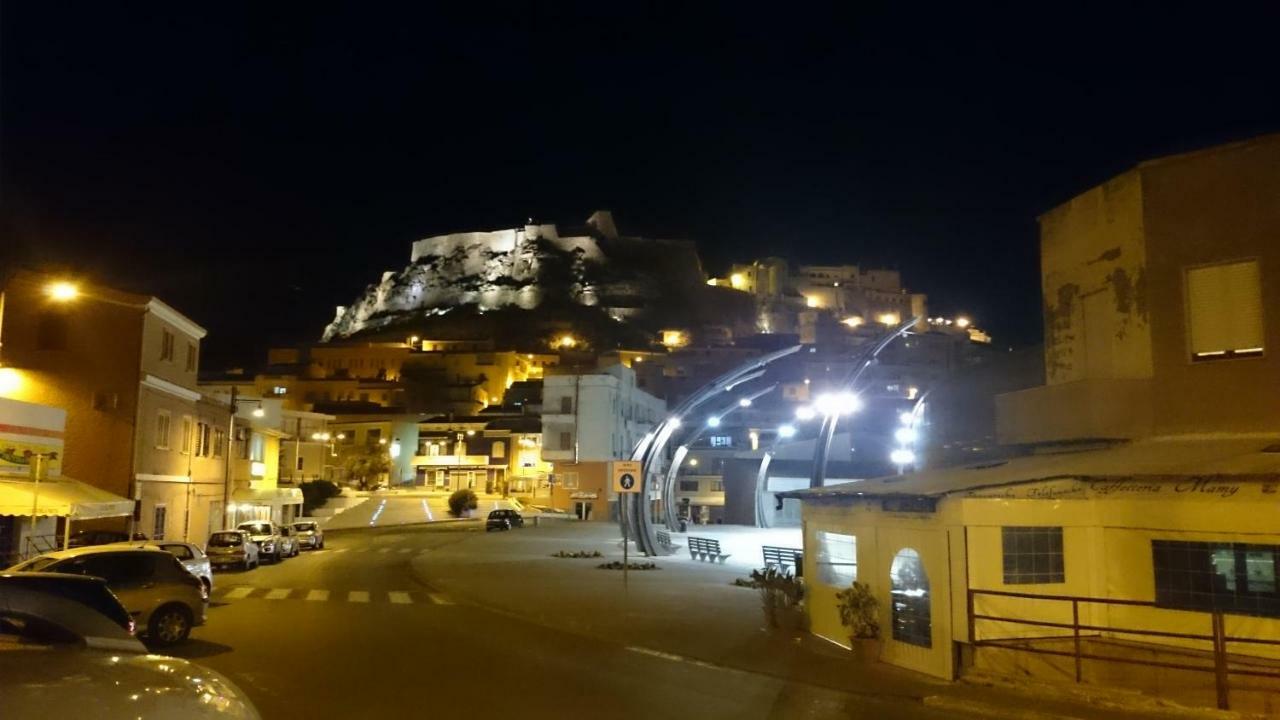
(691, 610)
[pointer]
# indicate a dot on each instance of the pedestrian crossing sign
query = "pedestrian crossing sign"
(626, 476)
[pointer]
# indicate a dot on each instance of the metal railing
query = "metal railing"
(1217, 638)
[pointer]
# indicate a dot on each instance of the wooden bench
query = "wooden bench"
(664, 539)
(706, 549)
(783, 557)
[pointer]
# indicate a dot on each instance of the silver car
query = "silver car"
(67, 650)
(266, 536)
(163, 598)
(192, 558)
(232, 548)
(308, 534)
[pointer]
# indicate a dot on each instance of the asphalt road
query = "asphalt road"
(347, 632)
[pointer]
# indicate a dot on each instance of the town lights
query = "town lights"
(62, 291)
(902, 456)
(853, 321)
(963, 322)
(905, 435)
(737, 281)
(907, 417)
(889, 318)
(843, 403)
(804, 412)
(342, 436)
(713, 421)
(566, 341)
(786, 431)
(744, 402)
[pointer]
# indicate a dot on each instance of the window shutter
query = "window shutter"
(1224, 309)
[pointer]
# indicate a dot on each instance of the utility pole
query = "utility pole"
(226, 480)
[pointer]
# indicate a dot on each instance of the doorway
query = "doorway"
(582, 510)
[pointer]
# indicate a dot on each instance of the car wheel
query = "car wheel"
(169, 625)
(275, 559)
(321, 544)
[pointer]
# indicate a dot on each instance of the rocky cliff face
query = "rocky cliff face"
(523, 268)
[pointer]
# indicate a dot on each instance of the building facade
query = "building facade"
(589, 420)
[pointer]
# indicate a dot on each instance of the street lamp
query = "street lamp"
(62, 291)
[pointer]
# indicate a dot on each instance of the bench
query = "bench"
(783, 557)
(706, 549)
(664, 539)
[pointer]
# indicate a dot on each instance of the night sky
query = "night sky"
(257, 165)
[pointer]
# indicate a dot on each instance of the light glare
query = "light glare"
(905, 435)
(902, 456)
(804, 412)
(786, 431)
(63, 291)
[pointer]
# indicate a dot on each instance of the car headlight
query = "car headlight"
(268, 547)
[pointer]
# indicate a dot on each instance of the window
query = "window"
(257, 447)
(202, 440)
(909, 595)
(721, 441)
(499, 449)
(1032, 555)
(689, 486)
(219, 442)
(186, 434)
(182, 552)
(837, 559)
(157, 526)
(299, 463)
(162, 430)
(1224, 311)
(282, 390)
(373, 436)
(191, 357)
(566, 441)
(717, 486)
(569, 480)
(1229, 577)
(566, 405)
(166, 345)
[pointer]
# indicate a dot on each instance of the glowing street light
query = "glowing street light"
(259, 412)
(963, 322)
(905, 435)
(842, 403)
(63, 291)
(804, 412)
(902, 456)
(744, 402)
(907, 417)
(713, 421)
(786, 431)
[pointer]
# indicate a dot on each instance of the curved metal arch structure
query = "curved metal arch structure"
(651, 451)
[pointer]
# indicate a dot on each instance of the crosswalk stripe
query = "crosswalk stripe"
(400, 598)
(318, 595)
(277, 594)
(360, 596)
(439, 599)
(238, 593)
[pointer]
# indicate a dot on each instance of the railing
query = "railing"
(1217, 637)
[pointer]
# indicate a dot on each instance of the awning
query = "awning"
(60, 497)
(268, 496)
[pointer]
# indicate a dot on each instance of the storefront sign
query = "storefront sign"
(27, 431)
(1184, 487)
(583, 495)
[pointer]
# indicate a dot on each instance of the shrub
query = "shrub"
(577, 554)
(859, 611)
(617, 565)
(316, 493)
(461, 501)
(779, 590)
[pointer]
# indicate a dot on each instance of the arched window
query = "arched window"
(499, 449)
(909, 593)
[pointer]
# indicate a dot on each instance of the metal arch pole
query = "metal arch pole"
(762, 482)
(818, 474)
(649, 452)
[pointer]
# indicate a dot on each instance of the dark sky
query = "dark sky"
(257, 165)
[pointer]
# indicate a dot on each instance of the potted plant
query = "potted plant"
(781, 595)
(860, 614)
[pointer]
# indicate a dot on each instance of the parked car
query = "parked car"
(88, 538)
(232, 547)
(192, 558)
(67, 649)
(309, 534)
(503, 520)
(266, 536)
(288, 542)
(164, 599)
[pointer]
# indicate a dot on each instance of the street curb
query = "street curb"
(400, 525)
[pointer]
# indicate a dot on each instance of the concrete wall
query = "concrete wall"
(1213, 206)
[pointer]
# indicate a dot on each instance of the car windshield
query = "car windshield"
(224, 539)
(304, 527)
(35, 565)
(261, 528)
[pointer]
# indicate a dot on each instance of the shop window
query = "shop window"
(911, 603)
(689, 486)
(1033, 555)
(1224, 311)
(1235, 578)
(837, 559)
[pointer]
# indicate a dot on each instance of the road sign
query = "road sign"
(626, 476)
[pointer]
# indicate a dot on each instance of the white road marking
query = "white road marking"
(238, 593)
(673, 657)
(361, 596)
(277, 594)
(439, 599)
(318, 595)
(400, 598)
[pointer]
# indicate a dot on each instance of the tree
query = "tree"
(367, 465)
(461, 501)
(316, 493)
